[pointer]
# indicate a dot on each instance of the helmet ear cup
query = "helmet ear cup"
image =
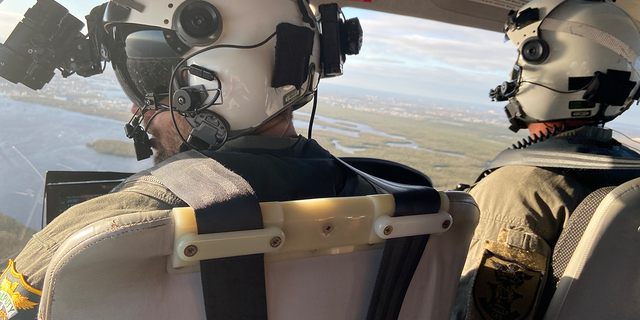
(535, 51)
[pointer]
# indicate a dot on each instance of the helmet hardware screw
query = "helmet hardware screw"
(276, 242)
(387, 230)
(327, 229)
(446, 224)
(181, 100)
(190, 250)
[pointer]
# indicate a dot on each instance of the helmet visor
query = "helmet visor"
(144, 60)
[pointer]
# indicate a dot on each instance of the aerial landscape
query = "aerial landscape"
(77, 124)
(451, 142)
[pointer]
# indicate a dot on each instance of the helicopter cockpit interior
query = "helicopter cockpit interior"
(68, 134)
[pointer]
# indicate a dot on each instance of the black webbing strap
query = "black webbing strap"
(401, 256)
(560, 159)
(233, 288)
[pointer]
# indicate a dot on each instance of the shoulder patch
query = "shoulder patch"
(17, 296)
(505, 287)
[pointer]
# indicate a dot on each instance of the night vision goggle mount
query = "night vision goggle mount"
(49, 38)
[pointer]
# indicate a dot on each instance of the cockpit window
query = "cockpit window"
(408, 97)
(416, 94)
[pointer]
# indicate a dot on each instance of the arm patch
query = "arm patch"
(17, 298)
(508, 282)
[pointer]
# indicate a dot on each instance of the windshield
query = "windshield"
(71, 125)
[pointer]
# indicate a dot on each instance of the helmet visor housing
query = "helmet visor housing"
(144, 59)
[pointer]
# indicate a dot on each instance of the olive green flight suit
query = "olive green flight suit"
(523, 210)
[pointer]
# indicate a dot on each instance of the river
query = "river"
(35, 139)
(354, 129)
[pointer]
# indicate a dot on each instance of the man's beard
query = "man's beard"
(162, 155)
(166, 142)
(164, 149)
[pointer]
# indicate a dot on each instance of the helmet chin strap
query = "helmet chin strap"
(140, 136)
(134, 131)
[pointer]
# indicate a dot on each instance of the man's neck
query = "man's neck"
(542, 128)
(279, 127)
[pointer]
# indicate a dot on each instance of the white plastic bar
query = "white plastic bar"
(229, 244)
(313, 228)
(387, 227)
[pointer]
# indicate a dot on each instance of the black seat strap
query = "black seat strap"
(233, 288)
(401, 256)
(559, 159)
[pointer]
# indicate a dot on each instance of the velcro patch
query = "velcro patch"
(16, 295)
(508, 282)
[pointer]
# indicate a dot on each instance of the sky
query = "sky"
(399, 54)
(428, 58)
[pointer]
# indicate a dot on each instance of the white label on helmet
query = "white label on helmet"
(581, 113)
(505, 4)
(290, 97)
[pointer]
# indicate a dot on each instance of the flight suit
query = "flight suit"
(278, 169)
(523, 210)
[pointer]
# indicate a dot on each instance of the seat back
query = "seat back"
(117, 268)
(568, 241)
(600, 280)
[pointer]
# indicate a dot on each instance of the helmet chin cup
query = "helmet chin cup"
(535, 51)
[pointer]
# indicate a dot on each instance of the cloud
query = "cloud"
(423, 41)
(8, 21)
(370, 59)
(435, 82)
(427, 58)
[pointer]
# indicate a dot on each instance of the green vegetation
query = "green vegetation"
(440, 133)
(13, 237)
(113, 148)
(478, 142)
(76, 106)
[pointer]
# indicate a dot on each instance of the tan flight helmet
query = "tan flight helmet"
(577, 60)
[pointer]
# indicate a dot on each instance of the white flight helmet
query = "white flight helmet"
(241, 62)
(578, 60)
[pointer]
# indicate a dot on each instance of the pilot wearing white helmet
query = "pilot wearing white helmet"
(221, 77)
(577, 69)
